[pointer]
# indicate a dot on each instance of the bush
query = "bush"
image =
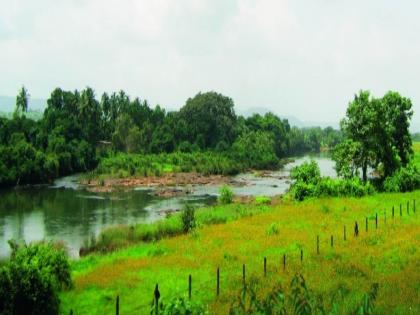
(309, 183)
(307, 172)
(188, 218)
(226, 195)
(30, 281)
(405, 179)
(260, 200)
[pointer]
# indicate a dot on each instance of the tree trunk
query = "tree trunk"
(364, 170)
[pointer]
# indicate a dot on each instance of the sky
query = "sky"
(298, 58)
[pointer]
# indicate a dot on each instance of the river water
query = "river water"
(65, 211)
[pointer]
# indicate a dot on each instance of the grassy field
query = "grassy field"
(388, 255)
(416, 149)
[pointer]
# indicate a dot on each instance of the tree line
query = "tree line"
(75, 123)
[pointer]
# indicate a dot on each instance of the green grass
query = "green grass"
(230, 235)
(121, 236)
(388, 255)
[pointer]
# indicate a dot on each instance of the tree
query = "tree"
(256, 150)
(347, 158)
(22, 101)
(379, 132)
(209, 118)
(274, 125)
(358, 126)
(126, 136)
(399, 112)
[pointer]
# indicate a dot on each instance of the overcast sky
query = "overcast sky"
(300, 58)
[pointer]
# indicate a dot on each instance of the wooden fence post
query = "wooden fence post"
(265, 266)
(392, 211)
(344, 232)
(376, 220)
(218, 282)
(157, 296)
(332, 241)
(117, 306)
(243, 275)
(301, 255)
(317, 244)
(189, 286)
(366, 224)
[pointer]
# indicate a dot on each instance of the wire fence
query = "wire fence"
(213, 285)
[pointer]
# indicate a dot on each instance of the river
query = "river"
(67, 212)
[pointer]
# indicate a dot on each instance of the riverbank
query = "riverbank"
(246, 233)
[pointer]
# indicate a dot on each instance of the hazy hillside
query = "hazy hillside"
(293, 121)
(7, 104)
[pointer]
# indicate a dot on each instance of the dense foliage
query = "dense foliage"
(309, 183)
(77, 131)
(31, 279)
(405, 179)
(377, 135)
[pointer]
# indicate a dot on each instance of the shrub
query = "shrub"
(30, 281)
(188, 218)
(226, 195)
(262, 200)
(301, 190)
(307, 172)
(309, 183)
(405, 179)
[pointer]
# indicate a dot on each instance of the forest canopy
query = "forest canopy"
(76, 125)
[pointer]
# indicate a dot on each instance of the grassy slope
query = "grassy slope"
(389, 256)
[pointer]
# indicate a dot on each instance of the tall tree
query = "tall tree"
(358, 126)
(210, 119)
(22, 101)
(399, 112)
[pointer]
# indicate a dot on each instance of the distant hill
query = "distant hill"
(7, 104)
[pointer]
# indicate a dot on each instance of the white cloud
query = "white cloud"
(301, 58)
